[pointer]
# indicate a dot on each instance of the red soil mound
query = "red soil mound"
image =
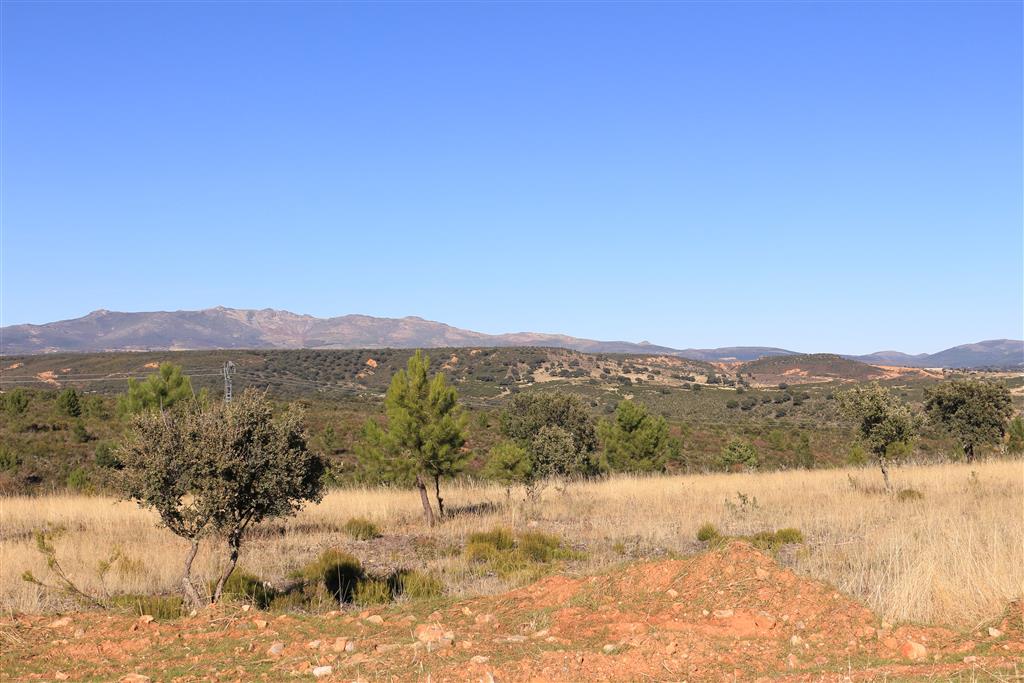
(731, 613)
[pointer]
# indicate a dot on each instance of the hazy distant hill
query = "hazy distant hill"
(229, 328)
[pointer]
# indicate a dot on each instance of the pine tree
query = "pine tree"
(160, 391)
(424, 434)
(635, 440)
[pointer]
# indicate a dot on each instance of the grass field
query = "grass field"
(953, 555)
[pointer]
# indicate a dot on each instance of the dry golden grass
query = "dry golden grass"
(955, 556)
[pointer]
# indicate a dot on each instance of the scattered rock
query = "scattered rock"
(672, 593)
(134, 678)
(760, 573)
(375, 619)
(60, 623)
(970, 659)
(541, 633)
(791, 661)
(260, 623)
(796, 641)
(609, 648)
(276, 649)
(343, 645)
(483, 618)
(912, 650)
(146, 619)
(722, 613)
(480, 659)
(321, 671)
(313, 644)
(994, 632)
(61, 676)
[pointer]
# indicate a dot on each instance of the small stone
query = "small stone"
(796, 641)
(245, 608)
(671, 648)
(608, 649)
(260, 623)
(970, 659)
(134, 678)
(429, 633)
(484, 618)
(723, 613)
(765, 621)
(480, 659)
(515, 639)
(386, 647)
(994, 632)
(375, 619)
(339, 644)
(468, 612)
(321, 671)
(61, 676)
(276, 649)
(79, 633)
(791, 661)
(672, 593)
(540, 634)
(313, 645)
(760, 573)
(912, 650)
(146, 619)
(705, 612)
(60, 623)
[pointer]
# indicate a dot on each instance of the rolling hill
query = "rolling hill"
(230, 328)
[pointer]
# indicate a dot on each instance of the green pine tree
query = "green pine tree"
(424, 434)
(635, 440)
(161, 390)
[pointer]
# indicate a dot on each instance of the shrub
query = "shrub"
(246, 587)
(80, 433)
(707, 533)
(361, 529)
(16, 401)
(769, 540)
(499, 539)
(105, 457)
(335, 571)
(68, 403)
(77, 479)
(416, 585)
(539, 547)
(9, 460)
(371, 592)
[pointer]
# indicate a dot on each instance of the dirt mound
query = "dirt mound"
(730, 613)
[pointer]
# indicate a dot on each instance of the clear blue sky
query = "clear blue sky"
(841, 177)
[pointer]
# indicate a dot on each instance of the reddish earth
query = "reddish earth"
(728, 614)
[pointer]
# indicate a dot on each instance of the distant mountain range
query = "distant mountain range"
(229, 328)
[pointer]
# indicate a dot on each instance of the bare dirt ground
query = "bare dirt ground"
(730, 613)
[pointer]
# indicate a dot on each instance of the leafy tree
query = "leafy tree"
(558, 432)
(1015, 444)
(635, 440)
(16, 401)
(509, 464)
(885, 424)
(219, 469)
(738, 454)
(423, 438)
(68, 403)
(160, 391)
(974, 412)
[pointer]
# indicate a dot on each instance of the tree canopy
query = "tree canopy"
(884, 423)
(636, 441)
(973, 411)
(424, 434)
(160, 391)
(219, 469)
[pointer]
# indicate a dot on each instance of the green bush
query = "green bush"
(772, 540)
(9, 460)
(707, 533)
(16, 401)
(361, 529)
(416, 585)
(500, 539)
(371, 592)
(77, 479)
(68, 403)
(539, 547)
(246, 587)
(337, 572)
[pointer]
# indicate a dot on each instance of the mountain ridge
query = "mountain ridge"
(267, 328)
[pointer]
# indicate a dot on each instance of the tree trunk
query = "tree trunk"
(234, 542)
(885, 473)
(969, 452)
(428, 511)
(437, 493)
(191, 594)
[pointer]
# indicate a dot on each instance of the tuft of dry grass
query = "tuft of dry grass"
(953, 554)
